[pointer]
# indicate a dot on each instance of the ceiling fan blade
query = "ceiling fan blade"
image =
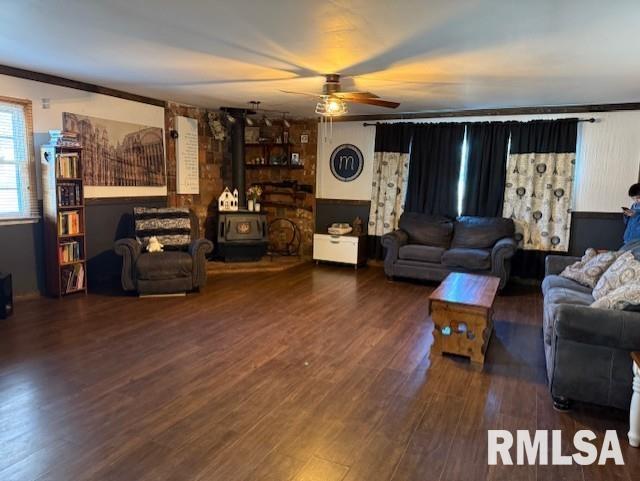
(377, 102)
(307, 94)
(356, 95)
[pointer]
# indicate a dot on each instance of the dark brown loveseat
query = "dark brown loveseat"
(430, 247)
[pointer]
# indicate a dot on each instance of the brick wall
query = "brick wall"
(303, 215)
(215, 172)
(214, 165)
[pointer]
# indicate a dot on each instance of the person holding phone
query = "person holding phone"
(631, 216)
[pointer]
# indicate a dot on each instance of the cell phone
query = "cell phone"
(625, 208)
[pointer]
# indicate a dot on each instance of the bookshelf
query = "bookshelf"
(64, 220)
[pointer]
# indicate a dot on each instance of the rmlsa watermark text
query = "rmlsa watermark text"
(545, 447)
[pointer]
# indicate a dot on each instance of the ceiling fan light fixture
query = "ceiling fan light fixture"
(332, 102)
(334, 106)
(331, 107)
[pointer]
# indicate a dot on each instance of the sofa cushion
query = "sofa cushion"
(481, 232)
(164, 265)
(588, 270)
(552, 281)
(621, 298)
(430, 230)
(625, 270)
(417, 252)
(472, 259)
(563, 295)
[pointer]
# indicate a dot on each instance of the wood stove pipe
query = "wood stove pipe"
(237, 160)
(237, 152)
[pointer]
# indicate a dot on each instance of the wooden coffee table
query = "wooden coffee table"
(462, 309)
(634, 412)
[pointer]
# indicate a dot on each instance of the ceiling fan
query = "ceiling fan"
(333, 101)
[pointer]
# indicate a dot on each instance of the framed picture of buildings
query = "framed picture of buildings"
(118, 154)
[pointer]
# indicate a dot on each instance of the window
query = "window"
(18, 199)
(462, 179)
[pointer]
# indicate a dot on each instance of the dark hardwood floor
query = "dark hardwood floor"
(313, 374)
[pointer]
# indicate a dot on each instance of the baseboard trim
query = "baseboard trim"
(177, 294)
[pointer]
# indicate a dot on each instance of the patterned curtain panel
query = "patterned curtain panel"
(539, 183)
(390, 170)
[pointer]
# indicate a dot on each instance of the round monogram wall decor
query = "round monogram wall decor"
(346, 162)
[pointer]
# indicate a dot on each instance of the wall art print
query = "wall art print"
(117, 153)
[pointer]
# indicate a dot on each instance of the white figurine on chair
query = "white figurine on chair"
(154, 245)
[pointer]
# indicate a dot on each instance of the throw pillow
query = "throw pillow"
(576, 266)
(480, 232)
(588, 270)
(428, 230)
(625, 270)
(620, 298)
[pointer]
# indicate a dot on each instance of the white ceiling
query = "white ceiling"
(427, 54)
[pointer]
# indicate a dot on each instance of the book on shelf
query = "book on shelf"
(69, 252)
(64, 138)
(69, 194)
(69, 223)
(67, 166)
(72, 278)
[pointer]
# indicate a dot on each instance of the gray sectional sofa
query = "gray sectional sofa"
(587, 350)
(430, 247)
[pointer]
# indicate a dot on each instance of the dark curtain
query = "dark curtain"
(530, 264)
(543, 136)
(540, 136)
(374, 247)
(487, 144)
(390, 139)
(434, 169)
(393, 137)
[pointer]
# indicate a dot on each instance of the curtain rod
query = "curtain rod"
(369, 124)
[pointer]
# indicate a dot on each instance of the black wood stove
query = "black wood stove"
(242, 236)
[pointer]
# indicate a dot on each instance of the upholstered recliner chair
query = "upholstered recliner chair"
(181, 267)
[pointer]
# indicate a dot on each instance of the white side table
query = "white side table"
(345, 249)
(634, 414)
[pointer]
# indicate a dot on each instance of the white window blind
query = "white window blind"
(18, 197)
